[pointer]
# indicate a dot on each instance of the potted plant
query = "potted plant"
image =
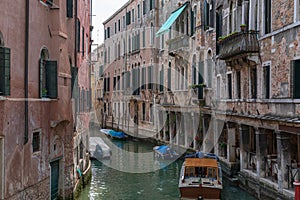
(44, 92)
(243, 27)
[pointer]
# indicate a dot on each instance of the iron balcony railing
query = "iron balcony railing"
(178, 42)
(238, 44)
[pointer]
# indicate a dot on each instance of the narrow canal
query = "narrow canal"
(132, 173)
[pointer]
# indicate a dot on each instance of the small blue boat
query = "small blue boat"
(114, 134)
(165, 152)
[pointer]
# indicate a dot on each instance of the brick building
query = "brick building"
(37, 55)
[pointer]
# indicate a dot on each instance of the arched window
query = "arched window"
(44, 56)
(48, 75)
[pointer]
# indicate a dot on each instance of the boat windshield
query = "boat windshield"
(202, 172)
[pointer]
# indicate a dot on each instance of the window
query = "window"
(229, 86)
(74, 73)
(47, 2)
(209, 72)
(266, 82)
(161, 75)
(78, 36)
(295, 65)
(218, 93)
(267, 16)
(4, 68)
(253, 84)
(151, 3)
(219, 24)
(206, 15)
(231, 18)
(115, 27)
(144, 7)
(108, 32)
(132, 15)
(70, 8)
(238, 84)
(150, 78)
(36, 141)
(144, 111)
(296, 10)
(128, 18)
(169, 77)
(119, 25)
(82, 42)
(144, 37)
(139, 11)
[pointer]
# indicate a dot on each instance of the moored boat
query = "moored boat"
(114, 134)
(200, 177)
(98, 148)
(165, 152)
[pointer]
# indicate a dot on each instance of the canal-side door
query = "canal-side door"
(54, 179)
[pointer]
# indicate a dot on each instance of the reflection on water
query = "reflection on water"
(160, 180)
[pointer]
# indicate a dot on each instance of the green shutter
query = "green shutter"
(70, 8)
(4, 71)
(51, 79)
(296, 79)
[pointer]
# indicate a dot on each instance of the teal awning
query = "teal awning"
(166, 26)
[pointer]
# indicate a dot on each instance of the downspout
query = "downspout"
(26, 70)
(75, 62)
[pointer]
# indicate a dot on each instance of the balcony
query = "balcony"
(178, 43)
(238, 44)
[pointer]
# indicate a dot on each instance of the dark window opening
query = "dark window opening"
(35, 141)
(4, 71)
(253, 79)
(266, 74)
(229, 85)
(267, 17)
(238, 84)
(70, 8)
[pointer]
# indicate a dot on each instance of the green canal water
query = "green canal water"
(132, 173)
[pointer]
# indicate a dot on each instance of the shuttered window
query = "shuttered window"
(4, 71)
(78, 36)
(51, 79)
(128, 18)
(296, 79)
(206, 15)
(267, 18)
(70, 8)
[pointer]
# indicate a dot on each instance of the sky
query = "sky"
(101, 11)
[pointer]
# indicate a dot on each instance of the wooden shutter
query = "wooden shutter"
(51, 79)
(4, 71)
(70, 8)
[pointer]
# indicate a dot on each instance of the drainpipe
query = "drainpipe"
(26, 70)
(75, 62)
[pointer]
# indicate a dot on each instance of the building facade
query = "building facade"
(223, 81)
(37, 53)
